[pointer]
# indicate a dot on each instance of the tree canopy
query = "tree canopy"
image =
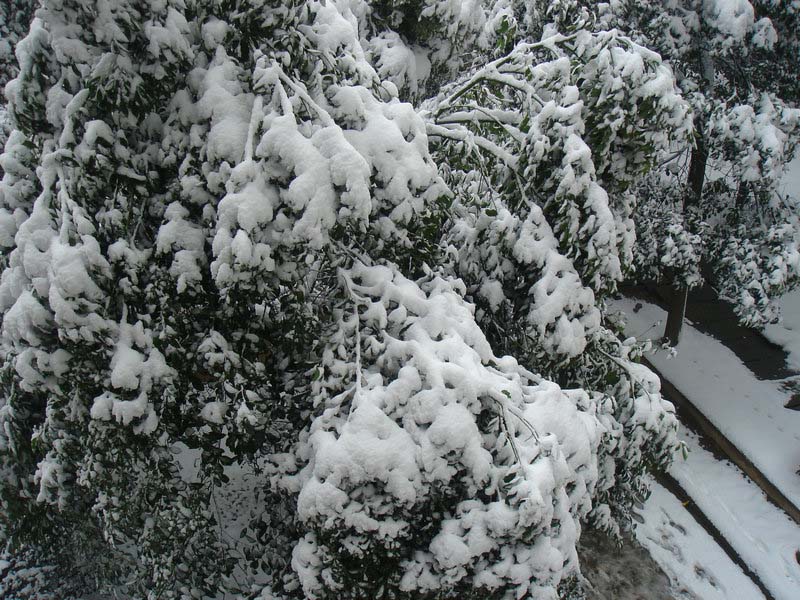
(715, 210)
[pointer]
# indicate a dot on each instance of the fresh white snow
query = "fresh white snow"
(748, 411)
(696, 565)
(762, 534)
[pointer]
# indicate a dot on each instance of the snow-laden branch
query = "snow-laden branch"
(462, 134)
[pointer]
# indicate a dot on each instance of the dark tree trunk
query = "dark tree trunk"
(677, 311)
(697, 171)
(694, 193)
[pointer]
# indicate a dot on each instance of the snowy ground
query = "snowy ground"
(763, 535)
(748, 411)
(751, 413)
(696, 565)
(672, 557)
(787, 332)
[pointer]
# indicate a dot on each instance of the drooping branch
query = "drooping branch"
(463, 134)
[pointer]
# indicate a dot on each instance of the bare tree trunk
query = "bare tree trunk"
(694, 193)
(697, 170)
(677, 311)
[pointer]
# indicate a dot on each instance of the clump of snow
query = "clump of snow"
(213, 32)
(132, 371)
(228, 106)
(214, 412)
(187, 241)
(764, 34)
(397, 63)
(733, 18)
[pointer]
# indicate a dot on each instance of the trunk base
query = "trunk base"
(677, 312)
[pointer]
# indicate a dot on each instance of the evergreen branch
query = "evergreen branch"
(465, 135)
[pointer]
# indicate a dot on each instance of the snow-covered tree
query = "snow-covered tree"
(268, 329)
(543, 147)
(721, 216)
(15, 17)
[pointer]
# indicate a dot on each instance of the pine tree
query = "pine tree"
(267, 328)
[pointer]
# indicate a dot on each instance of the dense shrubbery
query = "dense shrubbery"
(307, 299)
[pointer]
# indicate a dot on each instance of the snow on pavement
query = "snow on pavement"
(696, 565)
(748, 411)
(786, 333)
(762, 534)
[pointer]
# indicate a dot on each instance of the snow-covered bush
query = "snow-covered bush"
(238, 266)
(434, 467)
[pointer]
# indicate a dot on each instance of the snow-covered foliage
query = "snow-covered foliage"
(435, 467)
(736, 63)
(418, 45)
(15, 16)
(669, 243)
(233, 257)
(549, 138)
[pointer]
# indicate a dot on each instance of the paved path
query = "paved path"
(721, 446)
(708, 314)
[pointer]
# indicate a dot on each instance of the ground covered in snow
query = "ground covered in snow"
(748, 411)
(751, 413)
(694, 562)
(762, 534)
